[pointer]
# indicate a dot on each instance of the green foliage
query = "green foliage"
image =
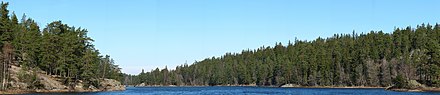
(400, 82)
(59, 49)
(29, 78)
(365, 59)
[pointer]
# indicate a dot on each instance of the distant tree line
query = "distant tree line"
(371, 59)
(59, 49)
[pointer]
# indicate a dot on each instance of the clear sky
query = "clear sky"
(145, 34)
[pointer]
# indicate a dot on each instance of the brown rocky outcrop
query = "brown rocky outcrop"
(19, 83)
(111, 85)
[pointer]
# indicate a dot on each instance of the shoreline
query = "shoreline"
(428, 89)
(348, 87)
(431, 89)
(330, 86)
(52, 91)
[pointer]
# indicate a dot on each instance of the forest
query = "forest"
(58, 49)
(371, 59)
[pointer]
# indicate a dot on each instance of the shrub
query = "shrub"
(400, 82)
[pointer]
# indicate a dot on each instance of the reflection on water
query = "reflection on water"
(245, 91)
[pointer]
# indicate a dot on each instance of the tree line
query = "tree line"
(58, 49)
(366, 59)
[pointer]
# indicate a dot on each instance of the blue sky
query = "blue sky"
(145, 34)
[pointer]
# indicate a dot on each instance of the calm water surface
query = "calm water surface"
(245, 91)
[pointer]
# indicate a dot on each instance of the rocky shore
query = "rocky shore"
(413, 86)
(419, 89)
(52, 83)
(299, 86)
(254, 85)
(146, 85)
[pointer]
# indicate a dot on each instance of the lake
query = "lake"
(219, 90)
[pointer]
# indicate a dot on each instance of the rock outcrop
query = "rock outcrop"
(50, 83)
(111, 85)
(413, 86)
(289, 85)
(38, 81)
(141, 85)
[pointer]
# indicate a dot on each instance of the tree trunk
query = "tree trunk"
(4, 75)
(103, 73)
